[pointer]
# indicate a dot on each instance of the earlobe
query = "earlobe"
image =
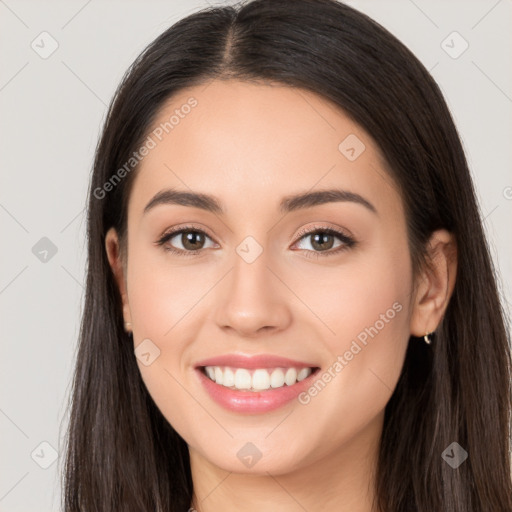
(436, 284)
(112, 248)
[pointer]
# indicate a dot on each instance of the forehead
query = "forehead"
(256, 143)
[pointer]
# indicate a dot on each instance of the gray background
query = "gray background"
(52, 110)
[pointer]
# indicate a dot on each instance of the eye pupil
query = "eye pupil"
(319, 241)
(192, 238)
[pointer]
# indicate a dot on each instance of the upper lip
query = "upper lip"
(253, 361)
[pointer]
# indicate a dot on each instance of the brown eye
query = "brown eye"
(192, 241)
(323, 240)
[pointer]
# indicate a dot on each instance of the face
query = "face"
(304, 301)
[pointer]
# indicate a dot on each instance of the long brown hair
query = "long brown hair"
(121, 452)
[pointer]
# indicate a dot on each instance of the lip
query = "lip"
(253, 402)
(252, 362)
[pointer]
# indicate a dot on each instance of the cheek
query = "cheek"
(364, 309)
(162, 300)
(162, 297)
(371, 317)
(369, 303)
(364, 296)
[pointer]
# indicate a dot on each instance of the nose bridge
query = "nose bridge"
(253, 299)
(250, 278)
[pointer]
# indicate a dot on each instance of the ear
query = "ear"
(115, 260)
(435, 284)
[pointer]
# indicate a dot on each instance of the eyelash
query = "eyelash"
(348, 242)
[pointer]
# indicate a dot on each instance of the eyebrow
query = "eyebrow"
(288, 204)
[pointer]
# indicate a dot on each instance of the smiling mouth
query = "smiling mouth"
(257, 379)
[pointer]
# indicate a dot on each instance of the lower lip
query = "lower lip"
(253, 401)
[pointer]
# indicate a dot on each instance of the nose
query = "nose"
(253, 301)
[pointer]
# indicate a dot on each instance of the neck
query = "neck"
(341, 481)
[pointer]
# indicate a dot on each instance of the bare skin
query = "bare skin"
(250, 145)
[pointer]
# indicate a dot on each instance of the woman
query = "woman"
(290, 300)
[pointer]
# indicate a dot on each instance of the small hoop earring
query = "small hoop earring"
(427, 338)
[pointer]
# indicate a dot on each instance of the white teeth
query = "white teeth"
(218, 375)
(290, 376)
(242, 379)
(256, 380)
(260, 379)
(303, 373)
(277, 378)
(229, 378)
(210, 371)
